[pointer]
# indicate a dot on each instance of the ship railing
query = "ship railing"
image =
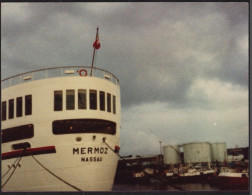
(67, 71)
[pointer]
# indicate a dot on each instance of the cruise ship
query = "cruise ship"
(60, 130)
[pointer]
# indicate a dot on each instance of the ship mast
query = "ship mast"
(96, 45)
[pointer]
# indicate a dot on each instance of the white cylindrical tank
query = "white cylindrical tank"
(171, 154)
(218, 152)
(197, 152)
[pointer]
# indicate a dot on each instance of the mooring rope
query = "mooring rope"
(150, 175)
(56, 175)
(15, 167)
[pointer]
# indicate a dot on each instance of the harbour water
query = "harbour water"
(164, 187)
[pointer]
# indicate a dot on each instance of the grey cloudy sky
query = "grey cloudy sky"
(183, 67)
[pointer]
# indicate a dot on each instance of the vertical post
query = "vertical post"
(160, 147)
(96, 39)
(92, 63)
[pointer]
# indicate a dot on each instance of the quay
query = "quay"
(225, 168)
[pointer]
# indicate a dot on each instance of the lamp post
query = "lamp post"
(160, 142)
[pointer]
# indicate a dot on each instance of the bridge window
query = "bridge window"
(11, 108)
(82, 99)
(58, 100)
(108, 102)
(28, 105)
(93, 99)
(102, 100)
(114, 104)
(4, 111)
(70, 99)
(19, 103)
(17, 133)
(84, 126)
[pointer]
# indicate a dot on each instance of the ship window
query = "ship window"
(17, 133)
(109, 102)
(102, 100)
(19, 110)
(93, 99)
(84, 126)
(114, 104)
(58, 102)
(82, 99)
(11, 108)
(28, 105)
(70, 99)
(4, 111)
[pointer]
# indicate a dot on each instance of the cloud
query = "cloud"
(218, 95)
(216, 122)
(169, 56)
(16, 12)
(104, 7)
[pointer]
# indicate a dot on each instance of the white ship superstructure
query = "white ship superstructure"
(57, 124)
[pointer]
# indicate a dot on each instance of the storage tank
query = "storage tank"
(171, 154)
(218, 152)
(197, 152)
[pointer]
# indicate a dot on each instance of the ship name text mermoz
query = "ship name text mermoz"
(90, 150)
